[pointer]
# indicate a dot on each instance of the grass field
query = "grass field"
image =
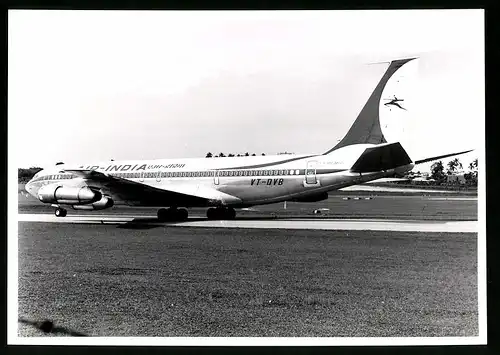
(108, 281)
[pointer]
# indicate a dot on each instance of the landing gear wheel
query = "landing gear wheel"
(182, 214)
(60, 212)
(172, 214)
(230, 213)
(221, 213)
(211, 213)
(163, 215)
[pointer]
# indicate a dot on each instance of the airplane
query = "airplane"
(224, 184)
(394, 102)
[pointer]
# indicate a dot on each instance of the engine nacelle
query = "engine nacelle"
(103, 203)
(312, 198)
(68, 195)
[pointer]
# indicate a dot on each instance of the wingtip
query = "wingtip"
(421, 161)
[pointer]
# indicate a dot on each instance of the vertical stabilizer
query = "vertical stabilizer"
(366, 129)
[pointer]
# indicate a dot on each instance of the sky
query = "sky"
(86, 86)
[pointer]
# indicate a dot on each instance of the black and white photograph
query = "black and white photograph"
(246, 177)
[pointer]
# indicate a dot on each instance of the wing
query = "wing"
(441, 157)
(170, 194)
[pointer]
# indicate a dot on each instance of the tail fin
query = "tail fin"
(366, 128)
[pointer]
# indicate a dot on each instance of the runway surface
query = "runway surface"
(312, 223)
(385, 266)
(411, 207)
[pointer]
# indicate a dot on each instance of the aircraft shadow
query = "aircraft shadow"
(48, 326)
(144, 223)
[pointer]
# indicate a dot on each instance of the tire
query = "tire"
(182, 214)
(162, 215)
(60, 212)
(211, 213)
(230, 213)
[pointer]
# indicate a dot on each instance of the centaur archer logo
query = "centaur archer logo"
(394, 102)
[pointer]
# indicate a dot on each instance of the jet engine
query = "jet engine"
(68, 195)
(312, 198)
(103, 203)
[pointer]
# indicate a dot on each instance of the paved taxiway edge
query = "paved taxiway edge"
(323, 224)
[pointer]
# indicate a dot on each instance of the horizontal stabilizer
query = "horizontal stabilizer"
(380, 158)
(441, 157)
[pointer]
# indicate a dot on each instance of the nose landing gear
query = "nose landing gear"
(60, 212)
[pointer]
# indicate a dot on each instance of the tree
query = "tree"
(209, 155)
(473, 166)
(437, 171)
(471, 176)
(453, 166)
(246, 154)
(221, 155)
(263, 154)
(230, 155)
(253, 155)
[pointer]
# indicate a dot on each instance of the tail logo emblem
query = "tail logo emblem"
(394, 102)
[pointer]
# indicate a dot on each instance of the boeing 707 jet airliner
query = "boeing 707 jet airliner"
(224, 184)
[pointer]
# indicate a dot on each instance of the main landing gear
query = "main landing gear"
(172, 214)
(221, 213)
(60, 212)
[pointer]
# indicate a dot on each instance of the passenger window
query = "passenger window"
(281, 172)
(265, 173)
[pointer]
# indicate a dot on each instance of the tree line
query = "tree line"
(27, 174)
(438, 172)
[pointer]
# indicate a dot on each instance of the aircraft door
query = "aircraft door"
(158, 176)
(310, 175)
(141, 176)
(216, 177)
